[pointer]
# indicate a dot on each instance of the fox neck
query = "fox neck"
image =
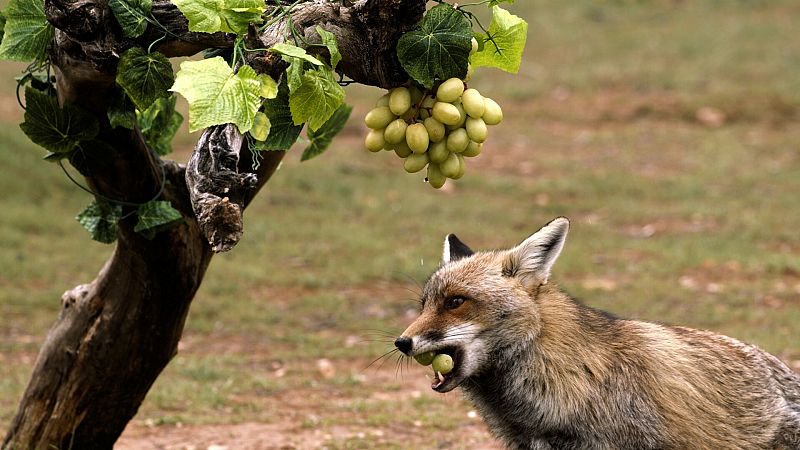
(545, 360)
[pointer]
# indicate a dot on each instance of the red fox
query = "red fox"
(547, 372)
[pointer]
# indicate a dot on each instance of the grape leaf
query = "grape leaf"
(229, 16)
(155, 216)
(57, 130)
(321, 139)
(100, 220)
(316, 99)
(440, 49)
(2, 26)
(159, 123)
(216, 95)
(269, 87)
(131, 15)
(283, 132)
(144, 76)
(497, 2)
(286, 49)
(294, 73)
(504, 51)
(329, 41)
(121, 112)
(27, 33)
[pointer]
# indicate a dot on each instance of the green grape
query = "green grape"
(409, 115)
(443, 363)
(474, 46)
(473, 103)
(401, 149)
(436, 179)
(416, 162)
(417, 138)
(374, 140)
(435, 129)
(379, 117)
(446, 113)
(450, 90)
(428, 102)
(425, 358)
(450, 166)
(457, 140)
(462, 115)
(383, 101)
(261, 125)
(493, 114)
(395, 131)
(476, 130)
(416, 95)
(399, 100)
(473, 149)
(438, 151)
(462, 167)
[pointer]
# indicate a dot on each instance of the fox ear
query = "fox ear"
(532, 260)
(454, 249)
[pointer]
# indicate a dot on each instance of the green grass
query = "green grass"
(672, 221)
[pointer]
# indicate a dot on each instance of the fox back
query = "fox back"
(547, 372)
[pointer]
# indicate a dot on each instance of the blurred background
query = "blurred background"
(667, 131)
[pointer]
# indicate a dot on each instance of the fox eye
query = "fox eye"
(453, 302)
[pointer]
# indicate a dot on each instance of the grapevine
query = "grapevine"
(436, 120)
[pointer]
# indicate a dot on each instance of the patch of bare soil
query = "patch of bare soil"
(378, 408)
(289, 436)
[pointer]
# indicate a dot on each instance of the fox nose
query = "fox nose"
(403, 344)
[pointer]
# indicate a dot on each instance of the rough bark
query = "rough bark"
(115, 334)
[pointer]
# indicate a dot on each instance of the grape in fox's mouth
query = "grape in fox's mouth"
(443, 363)
(425, 358)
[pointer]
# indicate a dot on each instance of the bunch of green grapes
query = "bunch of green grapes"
(434, 131)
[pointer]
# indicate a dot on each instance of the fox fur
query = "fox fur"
(548, 373)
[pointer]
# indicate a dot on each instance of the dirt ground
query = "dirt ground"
(301, 419)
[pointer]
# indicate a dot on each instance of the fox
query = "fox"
(547, 372)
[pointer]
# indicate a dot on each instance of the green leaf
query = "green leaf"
(294, 73)
(317, 98)
(269, 87)
(57, 130)
(497, 2)
(155, 216)
(100, 220)
(283, 132)
(2, 26)
(229, 16)
(131, 15)
(321, 139)
(159, 123)
(27, 33)
(144, 76)
(286, 49)
(440, 49)
(121, 112)
(504, 51)
(216, 95)
(329, 41)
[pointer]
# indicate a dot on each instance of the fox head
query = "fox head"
(477, 304)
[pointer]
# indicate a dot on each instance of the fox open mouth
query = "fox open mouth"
(446, 382)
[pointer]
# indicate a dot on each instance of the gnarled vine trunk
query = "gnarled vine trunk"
(115, 334)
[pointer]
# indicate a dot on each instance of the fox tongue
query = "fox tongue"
(437, 381)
